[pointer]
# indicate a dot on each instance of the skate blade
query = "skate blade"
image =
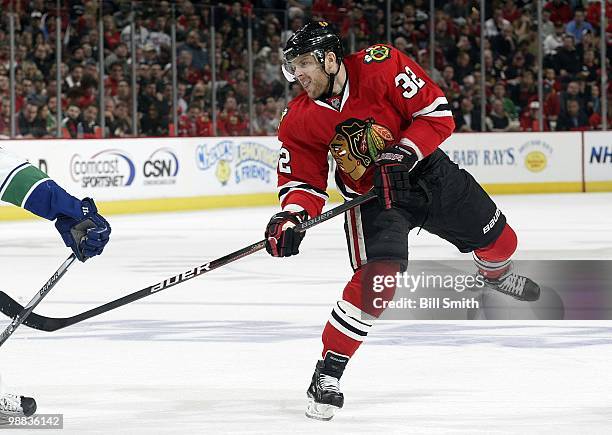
(320, 411)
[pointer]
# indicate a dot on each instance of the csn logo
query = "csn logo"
(161, 167)
(108, 168)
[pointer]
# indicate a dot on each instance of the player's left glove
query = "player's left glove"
(391, 182)
(87, 234)
(281, 239)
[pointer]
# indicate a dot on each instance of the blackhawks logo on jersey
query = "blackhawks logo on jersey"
(377, 53)
(357, 143)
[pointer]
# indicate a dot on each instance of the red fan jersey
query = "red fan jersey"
(387, 99)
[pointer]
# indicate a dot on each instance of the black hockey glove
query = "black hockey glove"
(281, 239)
(391, 183)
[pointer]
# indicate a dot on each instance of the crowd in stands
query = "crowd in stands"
(571, 68)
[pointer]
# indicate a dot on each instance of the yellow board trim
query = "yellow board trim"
(518, 188)
(598, 186)
(161, 205)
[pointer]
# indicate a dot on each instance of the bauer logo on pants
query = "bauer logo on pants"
(492, 223)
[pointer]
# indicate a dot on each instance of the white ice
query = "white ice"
(233, 351)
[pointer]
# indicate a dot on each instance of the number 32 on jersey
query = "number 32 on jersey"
(409, 81)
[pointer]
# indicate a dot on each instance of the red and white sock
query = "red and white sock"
(352, 317)
(493, 261)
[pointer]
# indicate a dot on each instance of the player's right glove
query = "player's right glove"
(86, 234)
(281, 238)
(391, 181)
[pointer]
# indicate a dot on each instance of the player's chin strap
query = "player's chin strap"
(331, 79)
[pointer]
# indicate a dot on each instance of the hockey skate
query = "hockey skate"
(12, 405)
(324, 396)
(515, 285)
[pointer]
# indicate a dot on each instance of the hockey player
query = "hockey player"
(80, 225)
(382, 118)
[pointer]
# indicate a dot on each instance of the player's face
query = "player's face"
(309, 73)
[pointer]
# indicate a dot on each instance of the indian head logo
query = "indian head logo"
(357, 143)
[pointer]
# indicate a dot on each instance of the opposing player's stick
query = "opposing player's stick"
(10, 307)
(23, 312)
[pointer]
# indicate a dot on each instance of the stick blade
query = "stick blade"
(10, 307)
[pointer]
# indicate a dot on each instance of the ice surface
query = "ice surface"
(233, 351)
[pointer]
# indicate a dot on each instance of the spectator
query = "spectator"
(266, 121)
(5, 118)
(41, 59)
(590, 67)
(495, 24)
(464, 66)
(150, 53)
(193, 124)
(552, 108)
(112, 36)
(159, 37)
(273, 68)
(511, 12)
(578, 27)
(116, 75)
(122, 123)
(109, 117)
(559, 11)
(527, 90)
(593, 104)
(29, 125)
(118, 56)
(185, 69)
(49, 119)
(448, 84)
(467, 119)
(567, 61)
(124, 93)
(555, 40)
(88, 127)
(571, 93)
(182, 98)
(499, 93)
(574, 119)
(153, 124)
(550, 81)
(148, 97)
(530, 118)
(70, 124)
(4, 86)
(503, 44)
(593, 14)
(235, 125)
(123, 15)
(75, 76)
(498, 120)
(142, 33)
(197, 49)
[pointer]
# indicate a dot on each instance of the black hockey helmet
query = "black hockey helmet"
(316, 37)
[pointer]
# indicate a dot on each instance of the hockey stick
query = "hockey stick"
(22, 313)
(10, 307)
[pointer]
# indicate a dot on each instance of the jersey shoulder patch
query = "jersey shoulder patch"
(377, 53)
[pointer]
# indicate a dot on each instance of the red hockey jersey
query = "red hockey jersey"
(388, 99)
